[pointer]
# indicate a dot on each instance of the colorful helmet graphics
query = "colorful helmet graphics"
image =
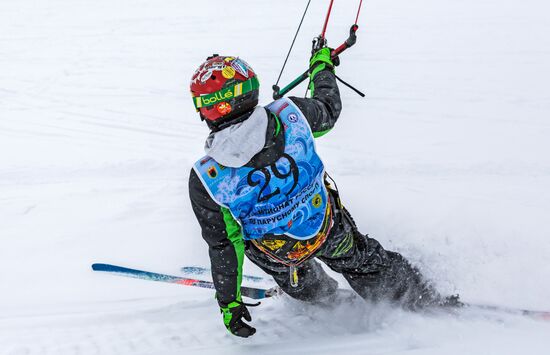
(224, 86)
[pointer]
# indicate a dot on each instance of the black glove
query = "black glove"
(335, 60)
(232, 318)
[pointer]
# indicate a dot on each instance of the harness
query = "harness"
(292, 253)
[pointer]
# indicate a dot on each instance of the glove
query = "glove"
(232, 318)
(320, 61)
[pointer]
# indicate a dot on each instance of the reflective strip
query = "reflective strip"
(235, 235)
(238, 89)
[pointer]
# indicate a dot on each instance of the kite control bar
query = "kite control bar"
(318, 43)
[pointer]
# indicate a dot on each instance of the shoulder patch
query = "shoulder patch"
(212, 172)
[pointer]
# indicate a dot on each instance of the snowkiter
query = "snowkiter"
(262, 191)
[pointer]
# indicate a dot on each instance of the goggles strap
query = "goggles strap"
(227, 93)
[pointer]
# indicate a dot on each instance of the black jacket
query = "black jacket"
(219, 230)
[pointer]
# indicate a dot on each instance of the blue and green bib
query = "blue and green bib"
(287, 197)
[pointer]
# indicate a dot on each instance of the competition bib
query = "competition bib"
(286, 197)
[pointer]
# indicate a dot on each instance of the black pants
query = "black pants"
(374, 273)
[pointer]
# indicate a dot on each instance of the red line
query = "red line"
(186, 282)
(283, 106)
(358, 11)
(326, 20)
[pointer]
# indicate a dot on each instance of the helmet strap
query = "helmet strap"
(227, 121)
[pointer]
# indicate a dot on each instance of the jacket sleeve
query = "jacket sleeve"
(323, 109)
(225, 242)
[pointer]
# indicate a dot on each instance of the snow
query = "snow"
(446, 161)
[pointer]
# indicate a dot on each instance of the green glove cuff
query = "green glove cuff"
(320, 61)
(322, 55)
(227, 314)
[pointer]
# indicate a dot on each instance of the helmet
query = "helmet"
(223, 88)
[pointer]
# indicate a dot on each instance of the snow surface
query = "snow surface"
(446, 160)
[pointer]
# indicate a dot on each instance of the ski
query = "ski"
(260, 293)
(251, 292)
(200, 271)
(540, 315)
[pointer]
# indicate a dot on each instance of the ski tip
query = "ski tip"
(541, 315)
(96, 266)
(102, 267)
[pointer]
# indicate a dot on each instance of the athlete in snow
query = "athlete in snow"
(262, 191)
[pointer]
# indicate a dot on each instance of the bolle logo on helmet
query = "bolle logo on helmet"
(217, 96)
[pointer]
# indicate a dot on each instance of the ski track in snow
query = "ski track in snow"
(170, 329)
(445, 161)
